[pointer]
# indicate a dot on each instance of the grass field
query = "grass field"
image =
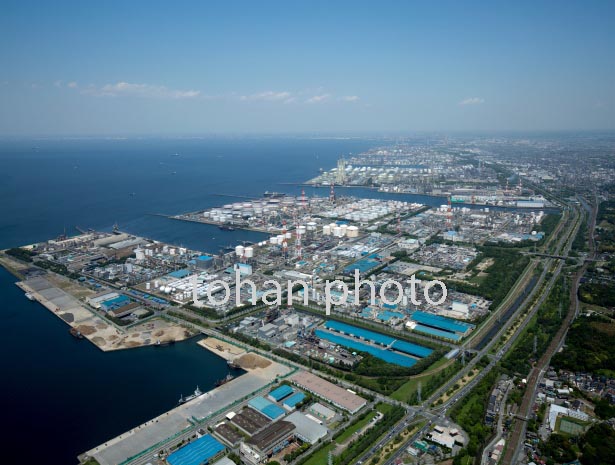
(384, 408)
(406, 390)
(354, 428)
(570, 426)
(321, 456)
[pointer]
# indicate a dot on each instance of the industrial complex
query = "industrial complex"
(322, 347)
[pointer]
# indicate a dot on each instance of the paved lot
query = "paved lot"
(159, 429)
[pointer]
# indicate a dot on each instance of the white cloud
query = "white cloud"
(268, 95)
(318, 98)
(139, 90)
(472, 101)
(123, 88)
(58, 83)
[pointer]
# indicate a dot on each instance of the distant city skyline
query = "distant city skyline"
(76, 68)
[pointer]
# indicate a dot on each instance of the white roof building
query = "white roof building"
(556, 410)
(306, 429)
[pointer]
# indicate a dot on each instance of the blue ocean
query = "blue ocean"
(61, 396)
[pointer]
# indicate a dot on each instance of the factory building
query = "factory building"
(322, 412)
(203, 262)
(305, 429)
(280, 393)
(291, 402)
(266, 407)
(272, 439)
(250, 421)
(97, 299)
(202, 451)
(330, 392)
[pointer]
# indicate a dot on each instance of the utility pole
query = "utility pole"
(419, 392)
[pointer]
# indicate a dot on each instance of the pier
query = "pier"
(139, 444)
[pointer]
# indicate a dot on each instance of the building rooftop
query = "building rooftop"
(307, 430)
(266, 407)
(250, 420)
(228, 433)
(293, 400)
(271, 434)
(281, 392)
(321, 410)
(197, 452)
(323, 388)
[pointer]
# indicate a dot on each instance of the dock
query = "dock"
(139, 444)
(92, 327)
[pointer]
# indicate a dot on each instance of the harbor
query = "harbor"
(86, 324)
(144, 440)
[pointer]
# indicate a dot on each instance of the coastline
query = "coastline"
(52, 291)
(181, 421)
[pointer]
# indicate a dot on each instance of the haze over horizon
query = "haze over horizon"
(162, 69)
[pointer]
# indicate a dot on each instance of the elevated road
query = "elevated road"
(519, 427)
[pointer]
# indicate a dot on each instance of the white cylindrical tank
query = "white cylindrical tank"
(337, 231)
(239, 250)
(352, 231)
(156, 284)
(288, 235)
(273, 240)
(301, 230)
(249, 252)
(139, 254)
(148, 286)
(311, 226)
(326, 230)
(172, 251)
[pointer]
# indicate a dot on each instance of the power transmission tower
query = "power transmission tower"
(419, 392)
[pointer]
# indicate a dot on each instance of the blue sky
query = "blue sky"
(276, 67)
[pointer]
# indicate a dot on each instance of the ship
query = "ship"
(29, 296)
(182, 400)
(273, 194)
(232, 364)
(165, 343)
(226, 227)
(224, 380)
(76, 333)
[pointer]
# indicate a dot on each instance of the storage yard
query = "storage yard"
(127, 291)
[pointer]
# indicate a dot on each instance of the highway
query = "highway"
(516, 440)
(564, 242)
(540, 288)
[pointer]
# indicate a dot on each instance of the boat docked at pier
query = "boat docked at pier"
(224, 380)
(182, 400)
